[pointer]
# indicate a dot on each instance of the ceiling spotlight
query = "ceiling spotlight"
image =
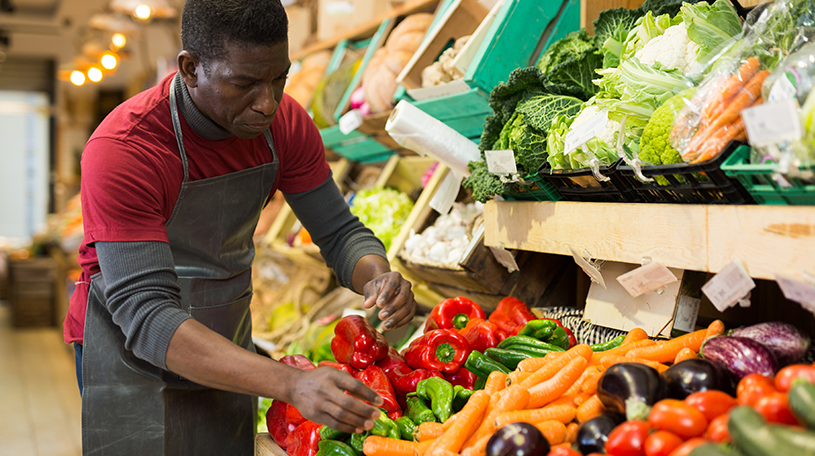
(77, 78)
(108, 61)
(94, 74)
(143, 12)
(118, 40)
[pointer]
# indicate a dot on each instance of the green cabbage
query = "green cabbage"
(383, 210)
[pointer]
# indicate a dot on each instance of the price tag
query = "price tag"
(687, 310)
(501, 162)
(586, 131)
(350, 121)
(797, 291)
(645, 279)
(772, 123)
(727, 287)
(783, 89)
(505, 257)
(588, 268)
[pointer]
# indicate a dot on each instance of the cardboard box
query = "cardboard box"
(300, 29)
(337, 16)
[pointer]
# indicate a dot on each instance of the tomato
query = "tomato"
(717, 429)
(661, 443)
(784, 377)
(673, 415)
(563, 451)
(711, 403)
(751, 380)
(775, 408)
(628, 439)
(688, 446)
(753, 387)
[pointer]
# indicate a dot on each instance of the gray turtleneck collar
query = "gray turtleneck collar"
(199, 123)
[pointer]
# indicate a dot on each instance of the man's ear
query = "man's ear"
(188, 64)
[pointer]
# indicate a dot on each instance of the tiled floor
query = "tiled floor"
(39, 399)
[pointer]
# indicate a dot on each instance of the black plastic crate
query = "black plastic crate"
(581, 185)
(683, 183)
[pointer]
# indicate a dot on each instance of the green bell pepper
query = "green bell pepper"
(417, 410)
(335, 448)
(406, 427)
(526, 343)
(613, 343)
(356, 441)
(559, 338)
(440, 394)
(461, 396)
(539, 329)
(482, 366)
(509, 358)
(385, 427)
(479, 383)
(327, 433)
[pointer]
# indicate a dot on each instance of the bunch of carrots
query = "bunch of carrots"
(720, 120)
(554, 393)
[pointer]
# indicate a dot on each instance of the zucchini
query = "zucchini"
(509, 358)
(802, 402)
(715, 450)
(792, 441)
(751, 434)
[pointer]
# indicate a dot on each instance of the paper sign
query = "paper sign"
(687, 310)
(797, 291)
(772, 123)
(501, 162)
(588, 268)
(350, 121)
(646, 279)
(782, 89)
(586, 131)
(506, 258)
(727, 287)
(445, 196)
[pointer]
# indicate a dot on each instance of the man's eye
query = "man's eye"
(240, 86)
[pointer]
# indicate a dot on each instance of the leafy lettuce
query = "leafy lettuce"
(710, 26)
(383, 210)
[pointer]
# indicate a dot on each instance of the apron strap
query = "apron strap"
(177, 127)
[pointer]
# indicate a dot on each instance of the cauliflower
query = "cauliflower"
(673, 50)
(608, 135)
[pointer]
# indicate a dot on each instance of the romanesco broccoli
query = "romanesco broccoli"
(655, 149)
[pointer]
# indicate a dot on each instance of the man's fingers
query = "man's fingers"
(389, 289)
(406, 319)
(399, 307)
(360, 390)
(348, 417)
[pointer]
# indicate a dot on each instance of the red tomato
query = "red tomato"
(751, 380)
(711, 403)
(661, 443)
(775, 408)
(673, 415)
(628, 439)
(752, 388)
(784, 377)
(688, 446)
(563, 451)
(717, 429)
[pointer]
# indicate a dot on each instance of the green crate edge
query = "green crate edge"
(544, 192)
(737, 166)
(363, 150)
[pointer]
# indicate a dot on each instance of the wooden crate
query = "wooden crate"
(32, 291)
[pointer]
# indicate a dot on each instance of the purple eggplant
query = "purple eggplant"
(693, 375)
(628, 387)
(518, 439)
(786, 342)
(593, 434)
(740, 356)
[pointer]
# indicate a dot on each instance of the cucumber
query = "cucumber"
(715, 450)
(802, 402)
(793, 441)
(751, 434)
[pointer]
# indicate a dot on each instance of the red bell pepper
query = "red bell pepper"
(462, 377)
(279, 426)
(481, 334)
(394, 365)
(511, 315)
(453, 313)
(442, 350)
(304, 440)
(402, 377)
(340, 366)
(357, 343)
(376, 379)
(298, 361)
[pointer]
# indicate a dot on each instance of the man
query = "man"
(173, 183)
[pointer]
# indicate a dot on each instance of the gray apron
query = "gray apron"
(129, 406)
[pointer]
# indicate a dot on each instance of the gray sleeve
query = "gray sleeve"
(342, 238)
(142, 295)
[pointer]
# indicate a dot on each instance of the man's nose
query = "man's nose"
(265, 103)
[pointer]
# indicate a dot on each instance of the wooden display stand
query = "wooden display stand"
(32, 291)
(265, 446)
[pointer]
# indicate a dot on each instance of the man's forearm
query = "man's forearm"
(368, 268)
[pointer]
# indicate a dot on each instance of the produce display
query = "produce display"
(441, 71)
(446, 240)
(383, 210)
(301, 85)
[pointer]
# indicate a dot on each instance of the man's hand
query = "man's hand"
(320, 396)
(391, 293)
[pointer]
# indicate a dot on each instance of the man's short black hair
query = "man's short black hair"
(207, 25)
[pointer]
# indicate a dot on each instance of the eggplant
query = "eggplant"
(740, 356)
(593, 434)
(693, 375)
(786, 342)
(518, 439)
(627, 387)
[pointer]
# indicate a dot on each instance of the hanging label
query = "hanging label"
(646, 279)
(505, 257)
(727, 287)
(590, 270)
(782, 89)
(350, 121)
(586, 131)
(687, 310)
(797, 291)
(501, 162)
(772, 123)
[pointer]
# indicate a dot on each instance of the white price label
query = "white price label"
(350, 121)
(586, 131)
(645, 279)
(782, 89)
(588, 268)
(797, 291)
(506, 258)
(687, 310)
(772, 123)
(501, 162)
(727, 287)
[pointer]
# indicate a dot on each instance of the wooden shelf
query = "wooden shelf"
(768, 240)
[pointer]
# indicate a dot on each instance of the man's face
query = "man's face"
(242, 90)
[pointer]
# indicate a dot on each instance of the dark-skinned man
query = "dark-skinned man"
(173, 183)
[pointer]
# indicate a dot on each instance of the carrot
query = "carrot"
(564, 445)
(634, 335)
(731, 132)
(450, 421)
(496, 382)
(428, 431)
(589, 385)
(422, 447)
(685, 353)
(513, 398)
(549, 390)
(553, 430)
(382, 446)
(574, 390)
(548, 370)
(479, 448)
(571, 432)
(562, 413)
(443, 452)
(580, 399)
(533, 364)
(715, 329)
(665, 351)
(592, 408)
(515, 377)
(468, 418)
(731, 87)
(621, 350)
(564, 400)
(611, 360)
